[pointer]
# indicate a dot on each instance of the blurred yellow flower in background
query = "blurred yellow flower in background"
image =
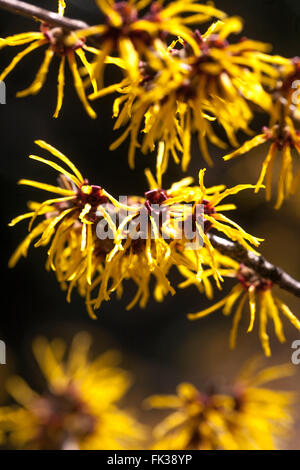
(78, 410)
(135, 250)
(245, 417)
(262, 417)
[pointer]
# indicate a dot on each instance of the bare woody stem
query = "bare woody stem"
(256, 262)
(32, 11)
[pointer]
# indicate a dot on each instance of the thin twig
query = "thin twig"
(32, 11)
(257, 262)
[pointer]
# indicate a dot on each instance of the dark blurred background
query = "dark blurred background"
(160, 346)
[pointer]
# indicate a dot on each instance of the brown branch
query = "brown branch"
(32, 11)
(256, 262)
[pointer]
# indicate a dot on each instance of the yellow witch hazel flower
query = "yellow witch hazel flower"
(78, 410)
(132, 262)
(68, 220)
(129, 30)
(161, 243)
(289, 84)
(77, 255)
(261, 417)
(96, 243)
(282, 134)
(262, 303)
(149, 106)
(245, 417)
(66, 45)
(182, 92)
(190, 268)
(284, 139)
(141, 250)
(212, 218)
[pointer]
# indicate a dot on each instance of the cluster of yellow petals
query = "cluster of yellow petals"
(131, 28)
(285, 140)
(263, 303)
(122, 32)
(67, 46)
(97, 267)
(177, 82)
(247, 417)
(78, 410)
